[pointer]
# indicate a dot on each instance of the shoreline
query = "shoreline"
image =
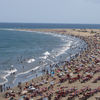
(86, 36)
(30, 70)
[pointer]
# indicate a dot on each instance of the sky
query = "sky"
(50, 11)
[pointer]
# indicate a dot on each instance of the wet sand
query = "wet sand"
(81, 73)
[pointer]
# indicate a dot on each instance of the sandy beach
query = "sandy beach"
(78, 79)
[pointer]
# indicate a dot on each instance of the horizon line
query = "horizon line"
(46, 23)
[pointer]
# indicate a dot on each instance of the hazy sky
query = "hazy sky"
(50, 11)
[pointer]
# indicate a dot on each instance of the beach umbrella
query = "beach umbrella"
(52, 72)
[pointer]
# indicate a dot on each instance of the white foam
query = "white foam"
(44, 57)
(47, 53)
(33, 69)
(7, 73)
(31, 60)
(11, 71)
(28, 71)
(53, 34)
(64, 49)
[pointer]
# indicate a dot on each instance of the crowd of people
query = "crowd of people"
(76, 79)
